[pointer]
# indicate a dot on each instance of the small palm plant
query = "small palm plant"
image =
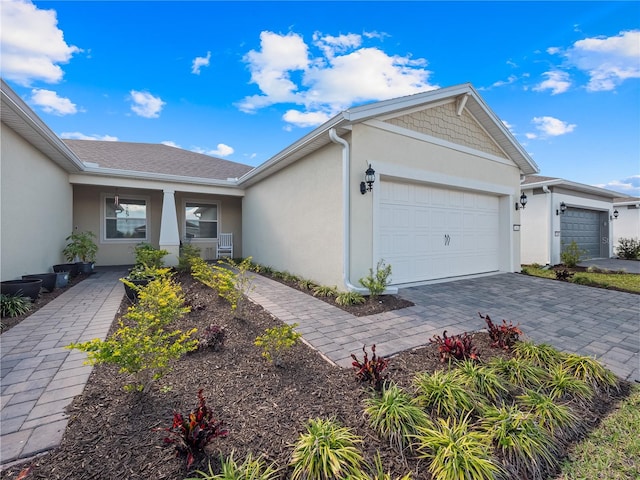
(395, 416)
(591, 371)
(455, 451)
(484, 380)
(444, 394)
(526, 448)
(327, 451)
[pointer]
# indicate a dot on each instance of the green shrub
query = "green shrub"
(142, 347)
(350, 298)
(395, 416)
(377, 282)
(327, 451)
(149, 256)
(276, 342)
(628, 248)
(305, 284)
(571, 254)
(14, 305)
(188, 253)
(457, 452)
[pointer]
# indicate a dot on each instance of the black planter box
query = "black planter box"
(48, 280)
(26, 288)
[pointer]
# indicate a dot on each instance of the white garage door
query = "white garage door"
(427, 233)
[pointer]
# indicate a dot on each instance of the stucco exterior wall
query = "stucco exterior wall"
(292, 220)
(398, 155)
(89, 215)
(627, 225)
(535, 230)
(36, 204)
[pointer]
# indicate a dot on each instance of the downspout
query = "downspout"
(346, 216)
(346, 213)
(546, 190)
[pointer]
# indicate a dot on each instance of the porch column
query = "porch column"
(169, 234)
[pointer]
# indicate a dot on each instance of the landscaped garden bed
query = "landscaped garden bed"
(113, 433)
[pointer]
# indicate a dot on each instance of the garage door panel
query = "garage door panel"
(583, 227)
(428, 233)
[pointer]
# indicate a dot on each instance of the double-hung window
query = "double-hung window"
(125, 218)
(201, 220)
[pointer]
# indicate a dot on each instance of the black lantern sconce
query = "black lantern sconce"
(369, 178)
(522, 203)
(615, 214)
(563, 208)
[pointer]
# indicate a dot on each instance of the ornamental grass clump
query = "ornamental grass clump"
(326, 451)
(592, 372)
(142, 346)
(251, 469)
(563, 385)
(455, 451)
(526, 448)
(558, 419)
(395, 416)
(541, 354)
(14, 305)
(521, 373)
(444, 394)
(484, 380)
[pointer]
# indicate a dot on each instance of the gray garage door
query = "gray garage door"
(583, 227)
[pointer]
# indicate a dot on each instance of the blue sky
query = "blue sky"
(243, 80)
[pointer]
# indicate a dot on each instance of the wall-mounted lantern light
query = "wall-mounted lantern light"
(522, 203)
(369, 178)
(615, 214)
(563, 208)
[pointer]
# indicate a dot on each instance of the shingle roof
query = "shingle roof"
(155, 158)
(537, 178)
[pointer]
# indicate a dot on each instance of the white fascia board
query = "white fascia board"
(578, 187)
(29, 118)
(280, 158)
(132, 174)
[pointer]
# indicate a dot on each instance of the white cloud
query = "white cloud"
(557, 81)
(82, 136)
(31, 44)
(608, 61)
(200, 62)
(169, 143)
(330, 75)
(550, 127)
(145, 104)
(221, 151)
(50, 102)
(628, 186)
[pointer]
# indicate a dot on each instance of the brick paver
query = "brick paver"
(40, 378)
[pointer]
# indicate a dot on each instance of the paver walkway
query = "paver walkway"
(40, 377)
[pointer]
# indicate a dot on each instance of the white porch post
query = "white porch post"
(169, 234)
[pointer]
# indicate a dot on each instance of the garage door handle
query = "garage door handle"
(447, 240)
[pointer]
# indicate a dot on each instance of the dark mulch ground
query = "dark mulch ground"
(383, 303)
(111, 433)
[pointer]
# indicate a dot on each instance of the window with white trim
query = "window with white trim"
(201, 220)
(125, 218)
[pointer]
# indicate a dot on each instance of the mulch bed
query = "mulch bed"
(111, 433)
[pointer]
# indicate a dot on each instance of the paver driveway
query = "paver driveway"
(573, 318)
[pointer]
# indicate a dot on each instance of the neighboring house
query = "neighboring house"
(442, 204)
(559, 212)
(627, 223)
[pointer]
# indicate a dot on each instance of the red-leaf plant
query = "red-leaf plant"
(503, 336)
(213, 337)
(459, 347)
(192, 433)
(371, 371)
